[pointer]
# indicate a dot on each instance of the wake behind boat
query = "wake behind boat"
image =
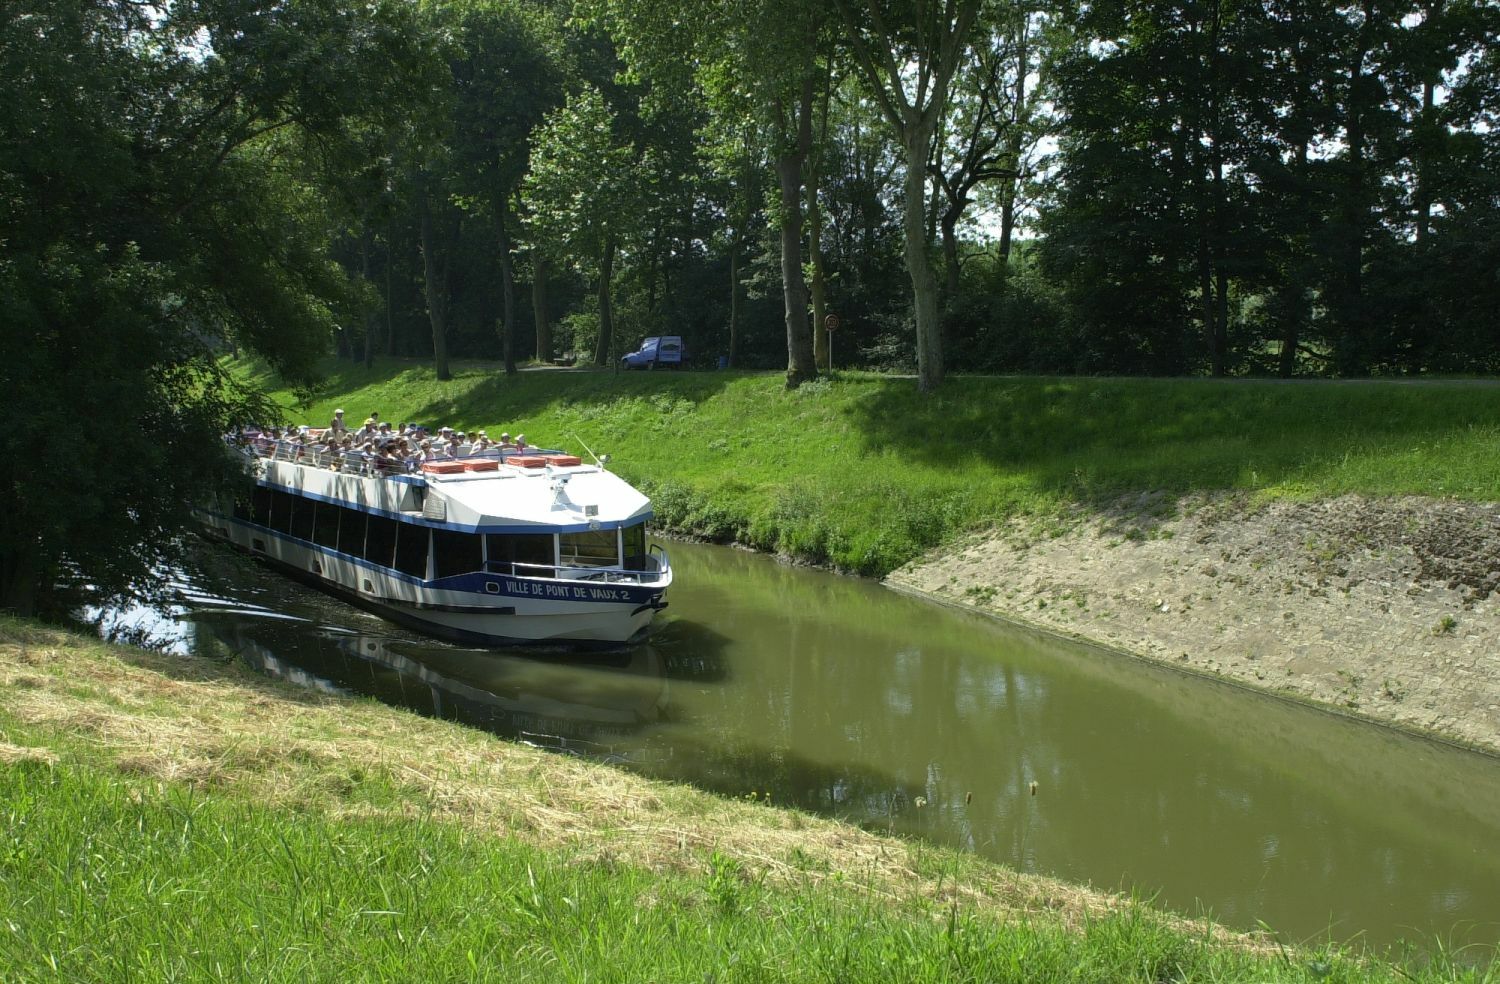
(497, 546)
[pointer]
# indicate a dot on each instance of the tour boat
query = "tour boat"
(498, 548)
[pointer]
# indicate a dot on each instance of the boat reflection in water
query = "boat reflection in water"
(592, 707)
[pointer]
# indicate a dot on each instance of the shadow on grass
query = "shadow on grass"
(482, 393)
(1094, 438)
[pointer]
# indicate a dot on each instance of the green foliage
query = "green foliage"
(580, 187)
(155, 211)
(1261, 188)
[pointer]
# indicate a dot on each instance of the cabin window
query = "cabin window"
(592, 548)
(380, 541)
(522, 549)
(411, 549)
(281, 511)
(456, 553)
(260, 505)
(241, 508)
(302, 518)
(634, 540)
(326, 530)
(351, 533)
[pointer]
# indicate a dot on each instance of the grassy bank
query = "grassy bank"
(173, 819)
(862, 473)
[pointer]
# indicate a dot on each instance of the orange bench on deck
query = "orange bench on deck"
(442, 467)
(563, 460)
(480, 464)
(526, 460)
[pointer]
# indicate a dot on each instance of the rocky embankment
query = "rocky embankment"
(1386, 609)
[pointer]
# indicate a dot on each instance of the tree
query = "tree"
(580, 195)
(509, 69)
(152, 216)
(975, 139)
(757, 65)
(909, 67)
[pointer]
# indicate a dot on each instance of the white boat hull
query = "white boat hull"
(504, 610)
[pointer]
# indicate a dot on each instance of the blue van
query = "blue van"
(663, 350)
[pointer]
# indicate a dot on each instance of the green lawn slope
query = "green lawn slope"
(862, 473)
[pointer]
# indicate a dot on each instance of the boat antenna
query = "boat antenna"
(601, 461)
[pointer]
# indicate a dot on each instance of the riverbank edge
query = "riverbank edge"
(1379, 610)
(218, 728)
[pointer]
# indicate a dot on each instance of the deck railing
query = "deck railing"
(360, 463)
(609, 575)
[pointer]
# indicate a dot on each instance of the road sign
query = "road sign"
(831, 322)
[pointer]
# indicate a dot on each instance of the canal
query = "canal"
(841, 697)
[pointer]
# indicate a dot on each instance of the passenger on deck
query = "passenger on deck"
(337, 425)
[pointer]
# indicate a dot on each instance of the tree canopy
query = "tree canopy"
(153, 193)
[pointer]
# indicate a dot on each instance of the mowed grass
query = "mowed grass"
(863, 473)
(163, 819)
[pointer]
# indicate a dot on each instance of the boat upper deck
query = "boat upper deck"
(486, 491)
(487, 462)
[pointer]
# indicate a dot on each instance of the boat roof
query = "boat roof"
(573, 498)
(546, 492)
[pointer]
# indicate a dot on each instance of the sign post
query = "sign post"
(830, 324)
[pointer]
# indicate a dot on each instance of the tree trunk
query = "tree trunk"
(390, 317)
(605, 344)
(507, 324)
(1020, 116)
(539, 307)
(1351, 357)
(1218, 234)
(801, 365)
(1008, 218)
(951, 269)
(371, 316)
(818, 286)
(734, 300)
(1290, 338)
(435, 280)
(18, 581)
(917, 140)
(822, 349)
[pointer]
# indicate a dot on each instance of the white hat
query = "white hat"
(338, 413)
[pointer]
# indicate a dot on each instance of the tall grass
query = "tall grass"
(863, 473)
(105, 877)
